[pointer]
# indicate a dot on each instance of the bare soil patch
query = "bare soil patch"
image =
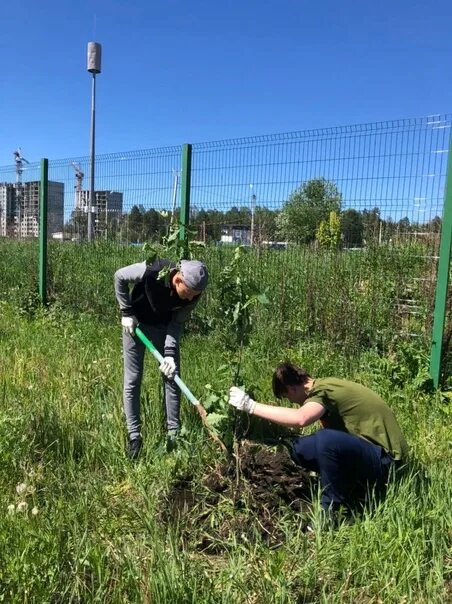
(240, 500)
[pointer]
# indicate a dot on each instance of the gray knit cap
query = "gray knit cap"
(194, 273)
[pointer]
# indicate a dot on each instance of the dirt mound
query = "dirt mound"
(239, 500)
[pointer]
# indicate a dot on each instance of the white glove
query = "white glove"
(241, 400)
(168, 367)
(129, 324)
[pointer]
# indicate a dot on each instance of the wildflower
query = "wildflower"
(35, 511)
(22, 506)
(21, 488)
(11, 508)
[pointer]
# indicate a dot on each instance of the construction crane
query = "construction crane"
(78, 176)
(19, 212)
(19, 159)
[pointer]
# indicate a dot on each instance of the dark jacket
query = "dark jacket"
(153, 301)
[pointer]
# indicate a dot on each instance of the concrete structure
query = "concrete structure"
(7, 205)
(107, 208)
(236, 234)
(19, 208)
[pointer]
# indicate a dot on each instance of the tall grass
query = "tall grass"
(355, 300)
(82, 524)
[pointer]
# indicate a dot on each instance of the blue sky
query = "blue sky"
(176, 72)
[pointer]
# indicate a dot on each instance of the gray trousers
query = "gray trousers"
(133, 355)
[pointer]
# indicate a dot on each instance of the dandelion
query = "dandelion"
(21, 488)
(35, 511)
(22, 506)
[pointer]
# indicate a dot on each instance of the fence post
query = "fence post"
(43, 197)
(442, 281)
(184, 218)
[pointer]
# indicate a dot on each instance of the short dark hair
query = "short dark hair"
(287, 374)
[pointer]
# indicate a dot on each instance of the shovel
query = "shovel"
(183, 387)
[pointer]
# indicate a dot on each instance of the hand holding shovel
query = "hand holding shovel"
(183, 387)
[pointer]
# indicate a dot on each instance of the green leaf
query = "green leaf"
(150, 251)
(250, 301)
(215, 420)
(164, 274)
(174, 236)
(262, 299)
(211, 402)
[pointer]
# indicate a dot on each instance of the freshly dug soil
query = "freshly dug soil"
(239, 500)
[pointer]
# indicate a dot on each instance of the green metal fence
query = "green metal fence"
(342, 225)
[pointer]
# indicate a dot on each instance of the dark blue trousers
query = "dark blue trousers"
(349, 466)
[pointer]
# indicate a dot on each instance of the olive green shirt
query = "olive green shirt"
(353, 408)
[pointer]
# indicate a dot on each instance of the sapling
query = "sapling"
(238, 293)
(173, 247)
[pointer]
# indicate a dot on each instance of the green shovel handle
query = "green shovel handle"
(150, 346)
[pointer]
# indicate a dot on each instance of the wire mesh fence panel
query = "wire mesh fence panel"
(131, 191)
(341, 225)
(135, 197)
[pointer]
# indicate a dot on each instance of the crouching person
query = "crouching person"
(359, 446)
(160, 306)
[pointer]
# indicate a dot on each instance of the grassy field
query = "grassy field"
(81, 523)
(356, 300)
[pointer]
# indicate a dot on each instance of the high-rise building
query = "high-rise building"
(7, 205)
(106, 210)
(19, 208)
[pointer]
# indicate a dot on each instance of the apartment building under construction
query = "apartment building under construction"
(19, 209)
(106, 209)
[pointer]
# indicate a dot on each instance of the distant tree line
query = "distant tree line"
(312, 214)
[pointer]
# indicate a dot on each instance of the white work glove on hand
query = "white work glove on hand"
(241, 400)
(129, 324)
(168, 367)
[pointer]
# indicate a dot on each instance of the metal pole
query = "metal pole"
(43, 198)
(94, 67)
(91, 202)
(185, 191)
(253, 207)
(442, 280)
(175, 187)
